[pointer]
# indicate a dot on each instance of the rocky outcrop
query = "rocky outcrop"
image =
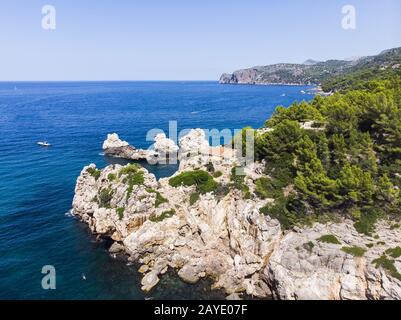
(115, 147)
(224, 237)
(227, 239)
(161, 151)
(304, 267)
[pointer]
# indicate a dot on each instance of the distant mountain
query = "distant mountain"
(311, 62)
(312, 72)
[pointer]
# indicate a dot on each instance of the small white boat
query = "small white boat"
(44, 144)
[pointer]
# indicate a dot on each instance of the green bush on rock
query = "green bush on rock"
(202, 180)
(120, 212)
(355, 251)
(329, 238)
(104, 197)
(134, 176)
(193, 198)
(164, 215)
(94, 172)
(111, 177)
(394, 252)
(388, 265)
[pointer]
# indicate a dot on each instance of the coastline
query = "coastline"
(211, 239)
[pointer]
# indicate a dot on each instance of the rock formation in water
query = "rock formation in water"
(222, 235)
(162, 150)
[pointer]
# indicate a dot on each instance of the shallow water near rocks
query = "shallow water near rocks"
(37, 184)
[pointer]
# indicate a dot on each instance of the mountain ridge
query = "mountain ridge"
(312, 72)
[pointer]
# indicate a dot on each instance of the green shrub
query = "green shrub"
(134, 177)
(222, 190)
(370, 245)
(203, 181)
(279, 211)
(394, 252)
(266, 188)
(94, 172)
(193, 198)
(309, 246)
(104, 197)
(164, 215)
(388, 265)
(237, 179)
(159, 199)
(367, 221)
(217, 174)
(238, 182)
(355, 251)
(120, 212)
(131, 168)
(111, 177)
(395, 226)
(329, 238)
(210, 167)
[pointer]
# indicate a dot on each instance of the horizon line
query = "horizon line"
(104, 80)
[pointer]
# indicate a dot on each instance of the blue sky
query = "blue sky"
(184, 39)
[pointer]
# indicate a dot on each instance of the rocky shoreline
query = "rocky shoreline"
(222, 235)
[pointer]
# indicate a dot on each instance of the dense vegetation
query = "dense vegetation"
(365, 73)
(348, 163)
(202, 180)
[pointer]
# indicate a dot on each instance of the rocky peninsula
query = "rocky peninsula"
(206, 221)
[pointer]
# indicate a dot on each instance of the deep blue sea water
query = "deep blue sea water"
(37, 184)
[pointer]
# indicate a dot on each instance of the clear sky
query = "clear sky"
(184, 39)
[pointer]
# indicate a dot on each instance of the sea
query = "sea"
(37, 183)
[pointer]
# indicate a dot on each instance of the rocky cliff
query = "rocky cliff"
(313, 72)
(223, 236)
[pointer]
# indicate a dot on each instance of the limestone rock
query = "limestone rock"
(116, 248)
(225, 238)
(149, 281)
(302, 267)
(113, 141)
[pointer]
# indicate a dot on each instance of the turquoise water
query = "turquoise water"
(37, 184)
